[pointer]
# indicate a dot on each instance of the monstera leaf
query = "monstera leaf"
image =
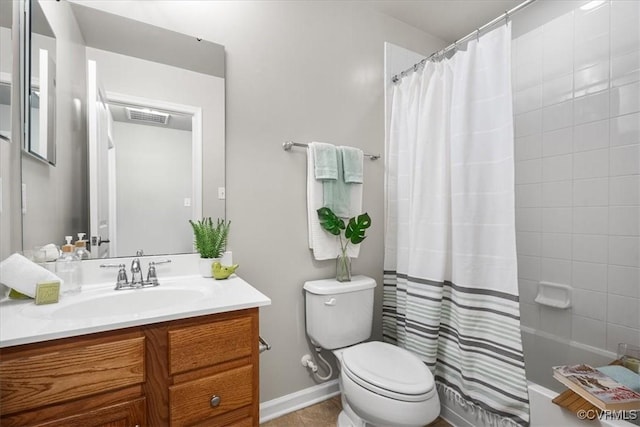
(356, 228)
(330, 221)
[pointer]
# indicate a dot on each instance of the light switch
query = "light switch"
(187, 202)
(221, 193)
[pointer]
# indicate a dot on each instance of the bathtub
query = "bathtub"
(541, 352)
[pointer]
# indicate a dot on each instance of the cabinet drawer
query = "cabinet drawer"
(190, 402)
(198, 346)
(70, 372)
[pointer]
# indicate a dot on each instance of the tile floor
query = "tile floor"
(323, 414)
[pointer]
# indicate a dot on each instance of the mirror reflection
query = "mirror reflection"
(6, 62)
(42, 92)
(140, 108)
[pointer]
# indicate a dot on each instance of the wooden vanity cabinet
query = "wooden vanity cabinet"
(198, 371)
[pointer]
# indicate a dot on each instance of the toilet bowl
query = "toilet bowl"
(384, 385)
(381, 384)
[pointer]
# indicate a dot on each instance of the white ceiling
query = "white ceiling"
(448, 20)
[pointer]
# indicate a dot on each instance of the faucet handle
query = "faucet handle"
(152, 277)
(122, 276)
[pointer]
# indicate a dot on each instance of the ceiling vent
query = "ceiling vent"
(146, 115)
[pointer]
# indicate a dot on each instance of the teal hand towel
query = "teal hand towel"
(622, 375)
(326, 161)
(337, 193)
(352, 164)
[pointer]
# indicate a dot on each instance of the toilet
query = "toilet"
(381, 384)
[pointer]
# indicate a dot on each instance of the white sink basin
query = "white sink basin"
(111, 303)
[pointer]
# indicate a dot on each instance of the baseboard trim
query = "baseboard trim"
(300, 399)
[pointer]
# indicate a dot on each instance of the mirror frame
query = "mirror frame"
(27, 117)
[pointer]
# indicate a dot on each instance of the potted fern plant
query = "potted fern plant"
(354, 233)
(210, 242)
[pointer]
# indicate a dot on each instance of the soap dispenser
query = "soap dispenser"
(68, 268)
(81, 248)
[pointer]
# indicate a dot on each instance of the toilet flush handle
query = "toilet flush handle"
(332, 301)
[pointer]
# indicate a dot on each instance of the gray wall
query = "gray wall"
(303, 71)
(153, 177)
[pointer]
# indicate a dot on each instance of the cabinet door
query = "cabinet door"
(126, 414)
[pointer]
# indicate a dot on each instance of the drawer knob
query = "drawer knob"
(215, 401)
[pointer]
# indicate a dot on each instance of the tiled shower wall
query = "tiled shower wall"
(576, 83)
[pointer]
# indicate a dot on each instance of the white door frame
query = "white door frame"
(196, 139)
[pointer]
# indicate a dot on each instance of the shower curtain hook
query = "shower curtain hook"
(506, 16)
(477, 34)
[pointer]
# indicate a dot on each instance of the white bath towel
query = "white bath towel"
(21, 274)
(324, 244)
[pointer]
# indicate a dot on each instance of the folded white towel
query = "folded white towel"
(324, 244)
(18, 273)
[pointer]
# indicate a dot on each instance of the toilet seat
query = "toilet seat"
(389, 371)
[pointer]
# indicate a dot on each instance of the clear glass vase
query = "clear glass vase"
(343, 268)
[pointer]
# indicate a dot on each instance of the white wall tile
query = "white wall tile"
(624, 311)
(557, 168)
(590, 108)
(625, 99)
(528, 195)
(591, 276)
(590, 248)
(528, 123)
(624, 251)
(557, 245)
(590, 164)
(591, 23)
(591, 52)
(591, 136)
(557, 142)
(591, 220)
(592, 79)
(529, 219)
(625, 130)
(558, 116)
(624, 281)
(625, 36)
(530, 315)
(557, 90)
(529, 267)
(624, 160)
(557, 47)
(527, 99)
(591, 192)
(589, 331)
(617, 334)
(556, 321)
(589, 304)
(556, 220)
(624, 220)
(624, 190)
(528, 74)
(557, 194)
(529, 47)
(528, 243)
(528, 290)
(555, 270)
(528, 147)
(528, 171)
(625, 68)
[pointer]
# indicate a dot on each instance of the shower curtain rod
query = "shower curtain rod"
(396, 78)
(288, 145)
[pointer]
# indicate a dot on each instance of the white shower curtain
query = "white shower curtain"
(450, 292)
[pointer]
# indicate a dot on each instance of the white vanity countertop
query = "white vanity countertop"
(100, 308)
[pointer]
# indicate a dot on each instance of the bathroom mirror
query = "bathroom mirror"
(41, 67)
(140, 136)
(6, 62)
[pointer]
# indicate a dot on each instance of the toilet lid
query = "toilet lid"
(387, 367)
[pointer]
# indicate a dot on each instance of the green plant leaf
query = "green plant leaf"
(356, 228)
(210, 241)
(330, 221)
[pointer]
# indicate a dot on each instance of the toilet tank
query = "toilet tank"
(339, 314)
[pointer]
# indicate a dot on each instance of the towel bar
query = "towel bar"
(288, 145)
(263, 345)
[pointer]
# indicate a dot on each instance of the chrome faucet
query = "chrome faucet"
(137, 280)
